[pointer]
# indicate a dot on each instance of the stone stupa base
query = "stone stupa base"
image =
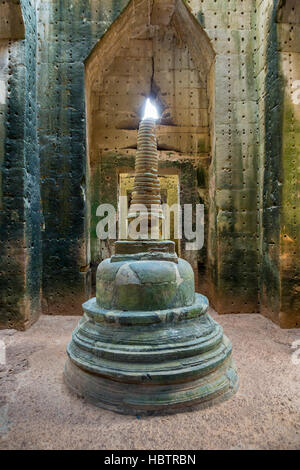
(150, 362)
(137, 400)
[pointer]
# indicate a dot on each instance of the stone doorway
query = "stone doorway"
(155, 48)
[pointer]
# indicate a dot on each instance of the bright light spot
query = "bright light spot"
(150, 110)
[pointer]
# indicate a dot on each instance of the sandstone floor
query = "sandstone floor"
(38, 412)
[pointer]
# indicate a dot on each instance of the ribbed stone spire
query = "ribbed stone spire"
(146, 343)
(146, 185)
(146, 198)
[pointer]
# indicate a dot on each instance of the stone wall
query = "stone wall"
(245, 173)
(232, 263)
(19, 199)
(67, 33)
(288, 30)
(269, 92)
(233, 238)
(277, 66)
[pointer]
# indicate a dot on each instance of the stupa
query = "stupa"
(146, 344)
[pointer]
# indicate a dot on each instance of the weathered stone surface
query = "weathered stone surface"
(161, 64)
(279, 153)
(147, 362)
(11, 19)
(144, 284)
(20, 220)
(234, 151)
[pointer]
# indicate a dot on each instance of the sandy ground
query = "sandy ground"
(38, 412)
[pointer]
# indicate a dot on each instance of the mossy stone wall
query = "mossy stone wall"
(251, 261)
(20, 254)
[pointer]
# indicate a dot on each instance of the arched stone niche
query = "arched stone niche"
(155, 48)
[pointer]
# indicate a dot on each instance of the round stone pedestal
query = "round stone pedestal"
(146, 344)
